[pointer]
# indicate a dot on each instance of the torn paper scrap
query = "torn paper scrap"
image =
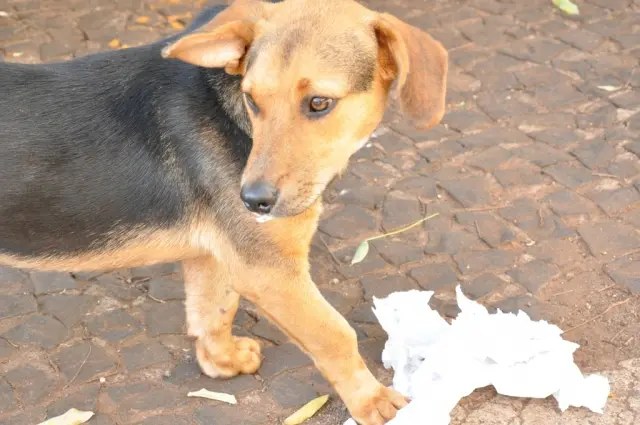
(436, 364)
(307, 411)
(224, 397)
(71, 417)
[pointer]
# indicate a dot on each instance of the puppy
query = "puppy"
(213, 148)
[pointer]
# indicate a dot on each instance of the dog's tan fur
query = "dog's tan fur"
(299, 156)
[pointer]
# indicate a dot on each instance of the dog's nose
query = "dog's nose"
(259, 197)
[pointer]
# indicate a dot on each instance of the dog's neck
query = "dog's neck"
(229, 93)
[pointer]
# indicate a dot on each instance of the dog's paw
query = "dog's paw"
(379, 408)
(240, 356)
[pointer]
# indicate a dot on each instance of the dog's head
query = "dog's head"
(316, 77)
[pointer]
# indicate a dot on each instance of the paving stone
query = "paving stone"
(539, 75)
(396, 252)
(608, 239)
(183, 372)
(159, 398)
(493, 231)
(166, 420)
(343, 301)
(85, 399)
(451, 242)
(236, 385)
(69, 309)
(33, 415)
(16, 305)
(7, 399)
(595, 153)
(566, 203)
(571, 176)
(6, 349)
(348, 223)
(557, 137)
(494, 136)
(466, 120)
(167, 318)
(482, 285)
(9, 275)
(290, 391)
(479, 261)
(363, 313)
(166, 289)
(441, 152)
(490, 159)
(77, 361)
(120, 393)
(399, 212)
(391, 142)
(537, 50)
(500, 105)
(436, 133)
(118, 288)
(267, 330)
(155, 270)
(518, 177)
(277, 359)
(58, 49)
(605, 116)
(31, 384)
(433, 277)
(423, 187)
(48, 282)
(371, 172)
(383, 286)
(369, 197)
(626, 271)
(223, 415)
(144, 355)
(525, 303)
(470, 192)
(581, 39)
(114, 325)
(626, 168)
(542, 155)
(42, 331)
(534, 274)
(615, 201)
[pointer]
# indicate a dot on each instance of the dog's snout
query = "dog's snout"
(259, 197)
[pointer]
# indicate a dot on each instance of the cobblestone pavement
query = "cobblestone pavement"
(534, 171)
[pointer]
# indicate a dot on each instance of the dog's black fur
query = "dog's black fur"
(114, 141)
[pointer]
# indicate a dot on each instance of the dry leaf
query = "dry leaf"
(114, 44)
(567, 6)
(227, 398)
(361, 253)
(609, 88)
(307, 411)
(177, 25)
(143, 20)
(72, 417)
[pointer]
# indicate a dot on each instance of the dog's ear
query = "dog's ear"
(223, 42)
(418, 64)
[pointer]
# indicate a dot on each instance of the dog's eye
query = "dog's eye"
(316, 107)
(251, 103)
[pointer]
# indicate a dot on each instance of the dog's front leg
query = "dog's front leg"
(211, 306)
(288, 296)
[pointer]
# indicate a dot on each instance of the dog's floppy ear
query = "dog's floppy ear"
(418, 64)
(223, 42)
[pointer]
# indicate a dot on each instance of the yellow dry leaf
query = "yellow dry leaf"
(114, 44)
(177, 25)
(227, 398)
(72, 417)
(307, 411)
(143, 20)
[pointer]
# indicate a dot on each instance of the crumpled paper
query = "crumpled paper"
(436, 364)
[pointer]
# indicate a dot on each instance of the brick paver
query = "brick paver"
(534, 171)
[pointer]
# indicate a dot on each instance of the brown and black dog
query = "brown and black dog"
(155, 154)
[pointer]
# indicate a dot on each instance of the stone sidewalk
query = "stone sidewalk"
(534, 171)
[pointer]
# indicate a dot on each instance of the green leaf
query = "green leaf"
(567, 6)
(361, 253)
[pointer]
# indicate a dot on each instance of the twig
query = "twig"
(403, 229)
(80, 368)
(540, 218)
(10, 343)
(329, 251)
(478, 229)
(562, 293)
(607, 287)
(480, 209)
(611, 176)
(611, 307)
(156, 299)
(616, 335)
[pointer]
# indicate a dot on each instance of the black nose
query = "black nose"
(259, 197)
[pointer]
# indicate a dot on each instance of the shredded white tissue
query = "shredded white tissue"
(436, 364)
